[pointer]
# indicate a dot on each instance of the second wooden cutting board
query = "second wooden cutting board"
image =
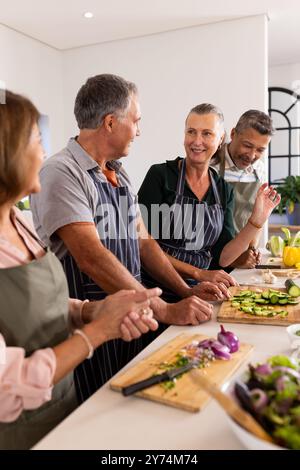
(186, 394)
(230, 314)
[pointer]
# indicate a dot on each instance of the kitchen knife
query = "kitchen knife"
(268, 266)
(157, 379)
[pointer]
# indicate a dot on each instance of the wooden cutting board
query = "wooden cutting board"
(288, 273)
(186, 394)
(274, 260)
(279, 261)
(230, 314)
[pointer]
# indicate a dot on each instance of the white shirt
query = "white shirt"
(248, 175)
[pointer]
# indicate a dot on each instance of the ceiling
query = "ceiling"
(60, 23)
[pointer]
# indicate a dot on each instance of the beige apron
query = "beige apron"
(244, 197)
(34, 315)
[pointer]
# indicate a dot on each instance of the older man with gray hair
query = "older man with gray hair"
(87, 212)
(240, 163)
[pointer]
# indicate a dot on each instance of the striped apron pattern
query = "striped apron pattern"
(211, 228)
(110, 357)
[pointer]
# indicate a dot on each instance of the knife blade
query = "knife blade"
(268, 266)
(158, 378)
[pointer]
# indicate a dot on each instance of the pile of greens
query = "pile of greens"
(272, 395)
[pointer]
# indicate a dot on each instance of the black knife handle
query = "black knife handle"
(156, 379)
(268, 266)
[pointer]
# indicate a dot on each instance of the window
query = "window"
(284, 149)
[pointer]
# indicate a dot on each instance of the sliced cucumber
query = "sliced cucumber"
(292, 288)
(283, 313)
(261, 301)
(274, 299)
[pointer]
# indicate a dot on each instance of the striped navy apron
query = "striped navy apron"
(194, 232)
(110, 357)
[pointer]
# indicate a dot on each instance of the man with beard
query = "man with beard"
(240, 162)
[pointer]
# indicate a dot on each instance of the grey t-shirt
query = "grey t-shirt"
(68, 193)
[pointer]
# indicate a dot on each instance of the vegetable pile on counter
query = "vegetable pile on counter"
(203, 352)
(262, 303)
(272, 395)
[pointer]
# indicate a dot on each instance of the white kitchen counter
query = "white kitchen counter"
(110, 421)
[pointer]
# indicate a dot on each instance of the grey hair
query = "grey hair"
(102, 95)
(257, 120)
(206, 108)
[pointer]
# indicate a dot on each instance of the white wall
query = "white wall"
(174, 71)
(223, 63)
(284, 75)
(34, 69)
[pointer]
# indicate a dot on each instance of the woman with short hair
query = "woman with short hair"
(200, 226)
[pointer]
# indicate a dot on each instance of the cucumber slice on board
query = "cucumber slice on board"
(292, 288)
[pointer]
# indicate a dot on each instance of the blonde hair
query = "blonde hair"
(17, 118)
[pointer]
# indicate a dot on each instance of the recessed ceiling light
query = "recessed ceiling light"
(88, 14)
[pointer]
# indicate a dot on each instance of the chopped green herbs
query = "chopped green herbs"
(204, 358)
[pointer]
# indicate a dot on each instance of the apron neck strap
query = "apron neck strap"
(256, 175)
(214, 187)
(181, 181)
(222, 162)
(32, 234)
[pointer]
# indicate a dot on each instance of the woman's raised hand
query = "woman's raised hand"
(266, 200)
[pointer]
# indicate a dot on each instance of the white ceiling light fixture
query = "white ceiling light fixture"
(88, 14)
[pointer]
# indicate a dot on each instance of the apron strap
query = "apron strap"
(256, 175)
(181, 179)
(32, 235)
(222, 161)
(214, 187)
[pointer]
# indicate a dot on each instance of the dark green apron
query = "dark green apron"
(34, 315)
(244, 198)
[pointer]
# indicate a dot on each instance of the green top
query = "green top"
(159, 187)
